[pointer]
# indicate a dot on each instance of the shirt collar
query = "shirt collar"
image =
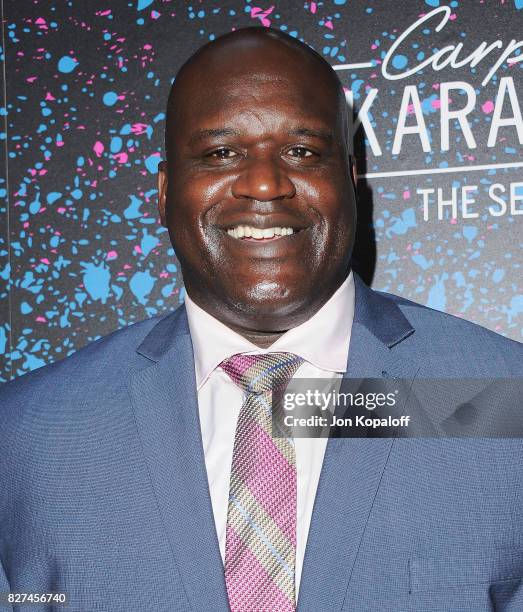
(323, 340)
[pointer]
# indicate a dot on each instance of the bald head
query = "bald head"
(244, 56)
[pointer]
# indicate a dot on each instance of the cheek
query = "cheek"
(191, 199)
(198, 190)
(333, 202)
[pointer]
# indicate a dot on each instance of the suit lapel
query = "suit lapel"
(165, 403)
(352, 468)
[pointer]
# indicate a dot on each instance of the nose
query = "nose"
(263, 179)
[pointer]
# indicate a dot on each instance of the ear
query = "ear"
(353, 170)
(162, 191)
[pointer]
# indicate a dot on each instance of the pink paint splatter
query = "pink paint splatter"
(262, 15)
(138, 128)
(488, 107)
(98, 148)
(112, 255)
(121, 158)
(406, 194)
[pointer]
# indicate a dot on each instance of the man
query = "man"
(138, 474)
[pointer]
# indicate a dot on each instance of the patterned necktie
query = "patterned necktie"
(260, 549)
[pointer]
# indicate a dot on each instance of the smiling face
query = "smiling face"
(256, 193)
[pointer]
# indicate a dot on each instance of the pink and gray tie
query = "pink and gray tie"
(260, 550)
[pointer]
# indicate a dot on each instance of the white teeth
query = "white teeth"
(247, 231)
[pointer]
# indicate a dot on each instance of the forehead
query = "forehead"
(256, 90)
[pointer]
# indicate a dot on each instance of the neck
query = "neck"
(272, 328)
(259, 338)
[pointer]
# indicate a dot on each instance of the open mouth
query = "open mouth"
(255, 234)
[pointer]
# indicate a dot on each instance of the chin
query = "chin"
(271, 303)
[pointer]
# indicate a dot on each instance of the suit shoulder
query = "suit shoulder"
(92, 367)
(444, 334)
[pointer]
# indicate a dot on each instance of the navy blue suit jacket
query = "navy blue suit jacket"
(104, 492)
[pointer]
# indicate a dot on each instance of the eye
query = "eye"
(222, 153)
(300, 152)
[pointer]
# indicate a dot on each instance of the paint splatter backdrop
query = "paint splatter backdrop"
(81, 250)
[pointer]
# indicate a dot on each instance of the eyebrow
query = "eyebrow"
(313, 133)
(206, 133)
(211, 133)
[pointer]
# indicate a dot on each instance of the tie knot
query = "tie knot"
(259, 373)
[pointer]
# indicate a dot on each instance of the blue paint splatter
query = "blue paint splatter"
(151, 163)
(516, 307)
(3, 340)
(96, 281)
(67, 64)
(25, 308)
(53, 196)
(142, 4)
(498, 275)
(141, 285)
(399, 61)
(34, 207)
(470, 232)
(148, 243)
(110, 98)
(422, 262)
(437, 298)
(402, 224)
(32, 362)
